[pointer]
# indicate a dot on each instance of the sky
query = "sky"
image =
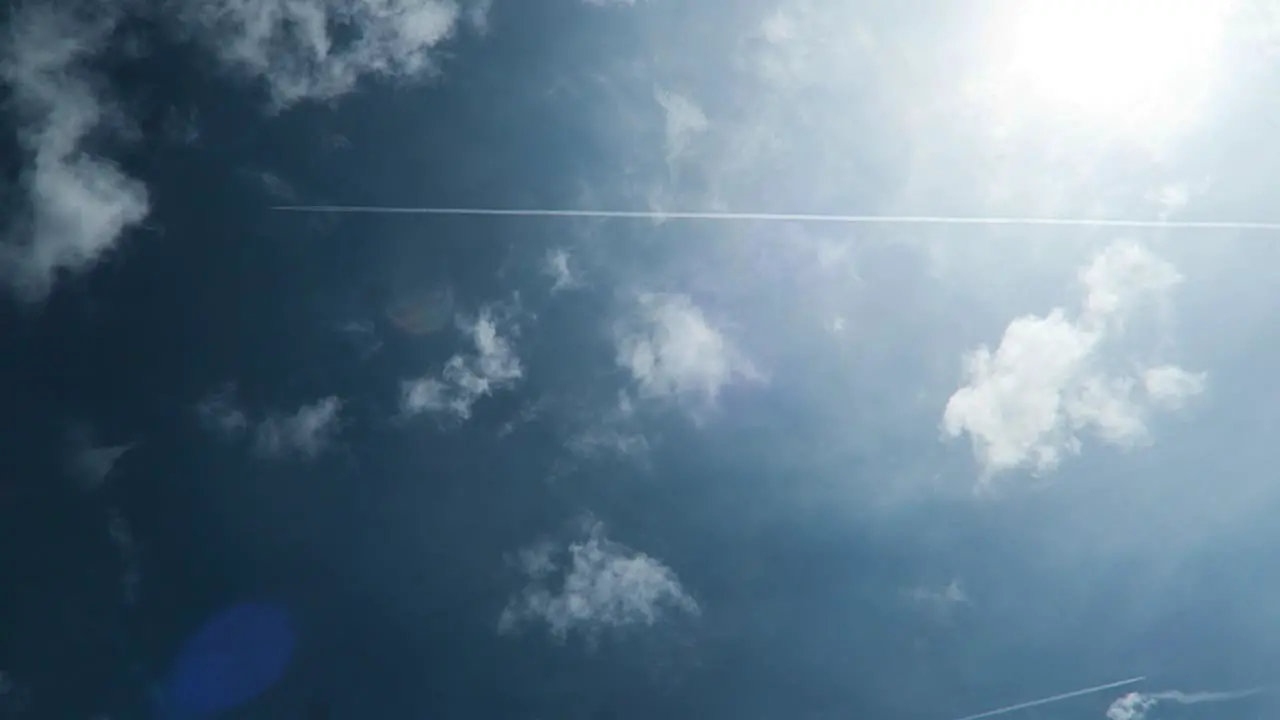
(609, 468)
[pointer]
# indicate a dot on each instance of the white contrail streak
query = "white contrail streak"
(789, 217)
(1053, 698)
(1186, 698)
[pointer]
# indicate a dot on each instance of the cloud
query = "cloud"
(92, 463)
(220, 411)
(604, 585)
(684, 121)
(466, 377)
(609, 3)
(306, 433)
(320, 49)
(1028, 403)
(275, 186)
(126, 546)
(556, 267)
(1169, 386)
(1135, 706)
(672, 351)
(80, 204)
(940, 605)
(607, 441)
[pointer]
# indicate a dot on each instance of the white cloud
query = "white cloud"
(276, 187)
(607, 441)
(684, 121)
(92, 463)
(1027, 403)
(306, 433)
(466, 377)
(556, 267)
(221, 411)
(940, 603)
(1169, 386)
(80, 204)
(609, 3)
(672, 351)
(1130, 706)
(1135, 706)
(604, 585)
(121, 535)
(321, 49)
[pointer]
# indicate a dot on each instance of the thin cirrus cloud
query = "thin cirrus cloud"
(593, 585)
(466, 377)
(1030, 402)
(81, 204)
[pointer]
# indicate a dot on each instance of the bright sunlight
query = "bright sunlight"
(1126, 64)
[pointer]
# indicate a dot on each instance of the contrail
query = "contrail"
(1134, 706)
(788, 217)
(1054, 698)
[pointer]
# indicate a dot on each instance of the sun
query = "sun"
(1125, 63)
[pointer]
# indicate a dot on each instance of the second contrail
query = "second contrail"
(788, 217)
(1053, 699)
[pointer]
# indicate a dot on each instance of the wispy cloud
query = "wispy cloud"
(220, 411)
(1028, 403)
(126, 546)
(305, 433)
(684, 121)
(1135, 706)
(595, 584)
(671, 350)
(90, 462)
(79, 204)
(467, 377)
(940, 602)
(321, 49)
(556, 265)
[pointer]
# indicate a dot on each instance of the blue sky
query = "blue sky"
(612, 468)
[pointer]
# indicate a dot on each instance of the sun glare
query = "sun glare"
(1134, 63)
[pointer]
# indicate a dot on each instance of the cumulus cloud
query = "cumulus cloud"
(467, 377)
(1135, 706)
(671, 350)
(1028, 402)
(306, 433)
(594, 585)
(321, 49)
(79, 204)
